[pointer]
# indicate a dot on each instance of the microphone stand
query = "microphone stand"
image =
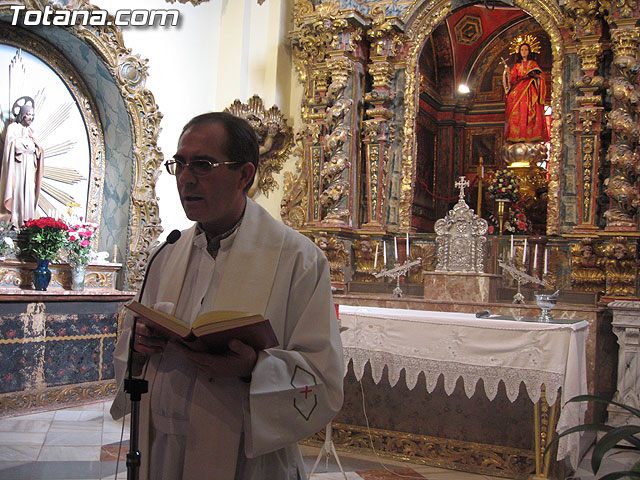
(135, 387)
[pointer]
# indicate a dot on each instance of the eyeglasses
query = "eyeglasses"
(198, 167)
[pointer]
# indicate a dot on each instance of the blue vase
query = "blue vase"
(41, 275)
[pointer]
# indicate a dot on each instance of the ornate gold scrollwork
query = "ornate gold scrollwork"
(295, 198)
(621, 267)
(336, 254)
(440, 452)
(587, 266)
(589, 56)
(586, 14)
(274, 138)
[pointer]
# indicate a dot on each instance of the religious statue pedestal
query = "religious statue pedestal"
(461, 286)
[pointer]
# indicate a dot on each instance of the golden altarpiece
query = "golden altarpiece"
(385, 133)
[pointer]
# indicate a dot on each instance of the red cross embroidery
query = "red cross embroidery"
(306, 391)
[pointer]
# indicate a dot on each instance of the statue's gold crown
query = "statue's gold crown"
(531, 40)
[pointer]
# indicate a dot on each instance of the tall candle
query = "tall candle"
(384, 252)
(524, 251)
(395, 248)
(535, 257)
(407, 255)
(546, 261)
(511, 253)
(375, 259)
(115, 253)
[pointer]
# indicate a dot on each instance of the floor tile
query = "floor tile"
(73, 438)
(22, 438)
(56, 470)
(24, 425)
(15, 470)
(69, 454)
(13, 453)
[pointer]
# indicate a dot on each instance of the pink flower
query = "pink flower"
(84, 243)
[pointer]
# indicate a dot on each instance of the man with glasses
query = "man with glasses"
(236, 415)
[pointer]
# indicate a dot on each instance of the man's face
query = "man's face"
(215, 200)
(27, 118)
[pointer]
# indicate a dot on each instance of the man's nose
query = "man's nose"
(186, 176)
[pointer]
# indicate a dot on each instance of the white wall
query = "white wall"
(222, 50)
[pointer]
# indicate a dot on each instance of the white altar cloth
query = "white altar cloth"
(458, 345)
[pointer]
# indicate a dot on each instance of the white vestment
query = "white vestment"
(229, 429)
(20, 175)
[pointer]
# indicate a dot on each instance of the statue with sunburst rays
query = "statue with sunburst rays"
(27, 141)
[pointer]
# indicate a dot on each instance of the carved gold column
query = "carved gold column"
(385, 39)
(621, 186)
(587, 25)
(588, 127)
(325, 42)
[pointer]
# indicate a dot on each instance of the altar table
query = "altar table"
(548, 358)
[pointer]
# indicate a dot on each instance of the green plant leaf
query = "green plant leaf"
(610, 440)
(593, 398)
(616, 475)
(599, 427)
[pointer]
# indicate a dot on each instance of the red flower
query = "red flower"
(522, 226)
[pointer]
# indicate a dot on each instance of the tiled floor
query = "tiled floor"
(82, 443)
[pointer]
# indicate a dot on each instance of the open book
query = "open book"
(211, 331)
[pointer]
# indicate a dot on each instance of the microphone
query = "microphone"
(172, 238)
(135, 387)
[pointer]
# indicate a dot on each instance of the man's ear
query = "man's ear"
(248, 171)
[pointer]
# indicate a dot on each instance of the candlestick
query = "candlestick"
(384, 252)
(511, 253)
(546, 261)
(524, 252)
(395, 248)
(375, 259)
(535, 257)
(407, 255)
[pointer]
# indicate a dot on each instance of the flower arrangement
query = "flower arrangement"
(44, 237)
(78, 242)
(504, 186)
(518, 223)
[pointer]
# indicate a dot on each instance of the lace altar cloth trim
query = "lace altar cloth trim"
(452, 371)
(458, 345)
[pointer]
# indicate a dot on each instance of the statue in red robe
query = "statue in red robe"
(526, 91)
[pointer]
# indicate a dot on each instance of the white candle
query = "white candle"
(535, 257)
(524, 251)
(375, 259)
(511, 254)
(546, 261)
(395, 248)
(384, 252)
(407, 255)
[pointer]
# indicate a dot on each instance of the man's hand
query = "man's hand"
(238, 361)
(147, 341)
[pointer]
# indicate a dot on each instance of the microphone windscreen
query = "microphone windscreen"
(173, 237)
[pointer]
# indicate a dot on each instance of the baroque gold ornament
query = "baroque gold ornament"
(274, 138)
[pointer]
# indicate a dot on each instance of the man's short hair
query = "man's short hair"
(241, 144)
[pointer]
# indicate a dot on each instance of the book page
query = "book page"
(218, 316)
